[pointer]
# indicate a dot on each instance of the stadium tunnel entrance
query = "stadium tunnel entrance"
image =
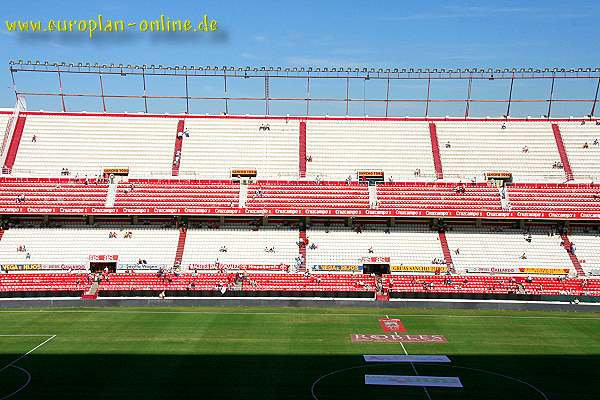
(377, 269)
(99, 266)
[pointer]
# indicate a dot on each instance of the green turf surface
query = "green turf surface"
(278, 353)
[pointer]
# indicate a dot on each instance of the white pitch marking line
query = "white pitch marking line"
(25, 335)
(28, 353)
(412, 365)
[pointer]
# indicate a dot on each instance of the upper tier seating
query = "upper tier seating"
(340, 148)
(585, 162)
(486, 248)
(51, 192)
(557, 198)
(74, 246)
(438, 196)
(216, 146)
(245, 248)
(307, 195)
(87, 144)
(410, 245)
(479, 147)
(177, 193)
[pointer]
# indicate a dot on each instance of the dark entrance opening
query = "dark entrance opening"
(98, 266)
(377, 269)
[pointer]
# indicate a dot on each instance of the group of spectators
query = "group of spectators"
(126, 235)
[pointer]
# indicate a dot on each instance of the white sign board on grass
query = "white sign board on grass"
(383, 358)
(413, 380)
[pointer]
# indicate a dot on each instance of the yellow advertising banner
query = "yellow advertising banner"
(545, 271)
(418, 268)
(336, 268)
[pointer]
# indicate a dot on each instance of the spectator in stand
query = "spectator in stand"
(309, 159)
(348, 180)
(596, 143)
(525, 149)
(523, 256)
(586, 145)
(223, 249)
(34, 138)
(418, 172)
(448, 145)
(457, 251)
(371, 250)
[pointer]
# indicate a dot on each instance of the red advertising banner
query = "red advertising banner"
(44, 210)
(104, 257)
(392, 325)
(375, 260)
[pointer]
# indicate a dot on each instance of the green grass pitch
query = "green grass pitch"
(279, 353)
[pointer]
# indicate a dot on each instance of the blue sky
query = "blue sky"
(397, 33)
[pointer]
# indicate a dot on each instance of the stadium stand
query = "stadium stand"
(506, 250)
(586, 248)
(240, 247)
(180, 193)
(87, 144)
(470, 149)
(436, 196)
(71, 248)
(585, 159)
(51, 192)
(338, 149)
(216, 146)
(286, 194)
(33, 284)
(339, 246)
(554, 197)
(291, 229)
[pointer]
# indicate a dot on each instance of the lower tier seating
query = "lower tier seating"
(492, 285)
(44, 282)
